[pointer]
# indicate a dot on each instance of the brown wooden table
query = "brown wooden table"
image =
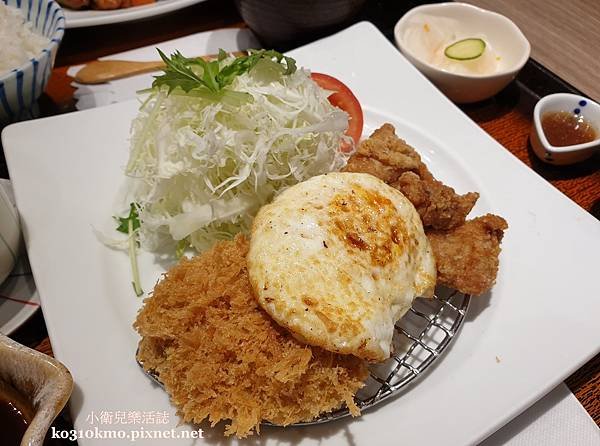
(507, 118)
(558, 32)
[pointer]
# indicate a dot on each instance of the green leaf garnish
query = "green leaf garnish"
(133, 217)
(191, 74)
(129, 225)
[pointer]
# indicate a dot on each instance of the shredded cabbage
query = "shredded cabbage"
(201, 165)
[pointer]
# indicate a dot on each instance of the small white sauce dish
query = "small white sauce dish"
(565, 102)
(510, 48)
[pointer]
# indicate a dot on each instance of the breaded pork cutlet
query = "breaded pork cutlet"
(466, 251)
(392, 160)
(221, 357)
(467, 256)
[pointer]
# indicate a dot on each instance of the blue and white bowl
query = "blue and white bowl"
(564, 102)
(21, 87)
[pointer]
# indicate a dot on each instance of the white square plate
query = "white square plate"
(538, 325)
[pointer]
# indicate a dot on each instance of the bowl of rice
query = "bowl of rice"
(30, 33)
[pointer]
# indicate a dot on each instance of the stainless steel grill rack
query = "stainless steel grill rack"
(421, 337)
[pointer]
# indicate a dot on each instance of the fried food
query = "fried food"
(108, 4)
(439, 206)
(466, 252)
(391, 159)
(74, 4)
(221, 357)
(338, 259)
(102, 4)
(467, 256)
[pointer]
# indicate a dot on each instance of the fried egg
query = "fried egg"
(338, 259)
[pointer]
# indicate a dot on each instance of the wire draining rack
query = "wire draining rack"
(421, 337)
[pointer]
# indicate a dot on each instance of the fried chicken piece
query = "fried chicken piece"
(221, 357)
(392, 160)
(437, 204)
(74, 4)
(385, 156)
(107, 4)
(466, 252)
(467, 256)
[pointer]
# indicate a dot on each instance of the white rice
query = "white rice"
(18, 42)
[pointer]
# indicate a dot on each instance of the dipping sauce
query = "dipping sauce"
(567, 129)
(12, 423)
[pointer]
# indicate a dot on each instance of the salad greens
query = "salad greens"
(133, 217)
(214, 141)
(179, 70)
(130, 225)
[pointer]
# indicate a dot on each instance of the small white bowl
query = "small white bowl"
(576, 104)
(503, 35)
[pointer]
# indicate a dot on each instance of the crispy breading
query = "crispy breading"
(437, 204)
(466, 252)
(391, 159)
(467, 256)
(221, 357)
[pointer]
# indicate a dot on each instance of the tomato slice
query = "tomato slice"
(344, 99)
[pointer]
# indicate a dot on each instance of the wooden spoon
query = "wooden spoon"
(100, 71)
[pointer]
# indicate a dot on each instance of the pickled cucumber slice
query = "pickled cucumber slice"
(466, 49)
